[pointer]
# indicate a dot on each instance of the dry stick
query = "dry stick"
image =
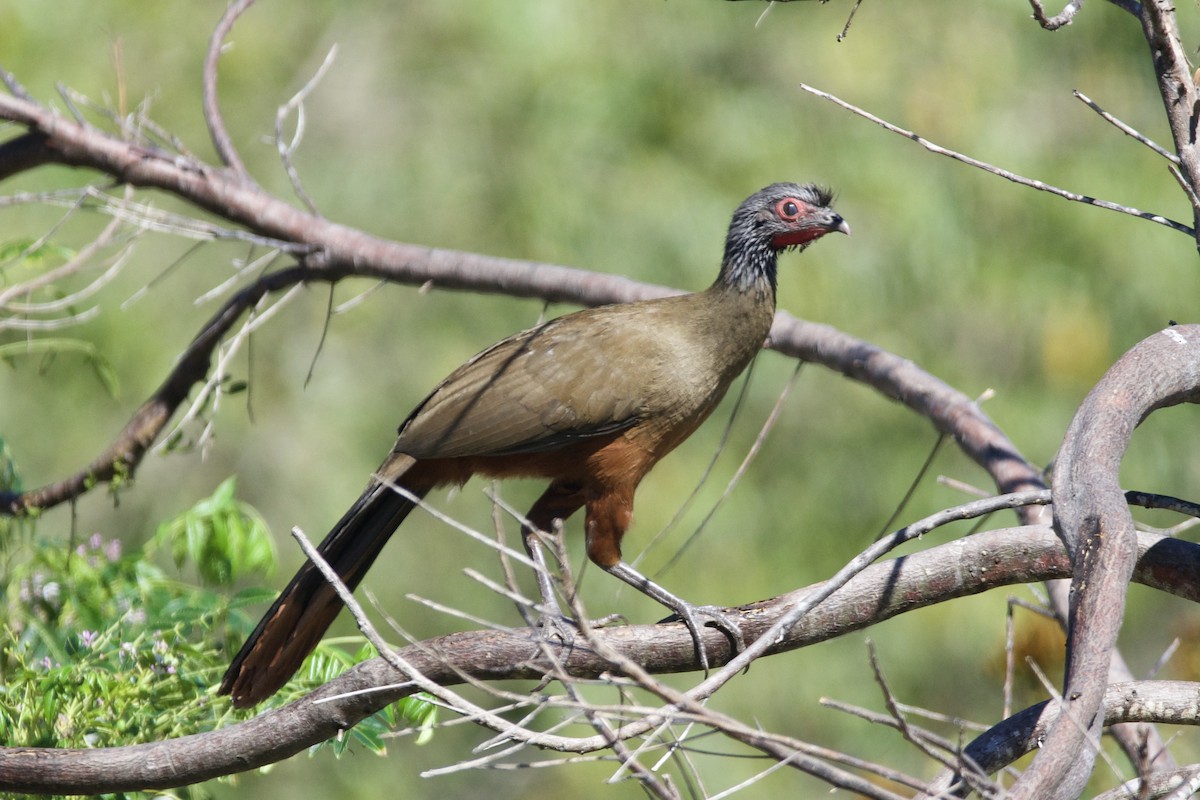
(912, 734)
(398, 663)
(74, 298)
(1176, 87)
(784, 749)
(883, 591)
(1185, 184)
(1025, 731)
(286, 150)
(649, 781)
(1095, 524)
(73, 265)
(1003, 173)
(841, 37)
(212, 111)
(1157, 786)
(1187, 787)
(77, 202)
(1126, 129)
(1059, 20)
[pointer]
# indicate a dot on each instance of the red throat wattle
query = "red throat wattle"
(802, 236)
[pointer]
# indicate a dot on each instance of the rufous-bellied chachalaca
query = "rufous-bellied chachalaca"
(590, 401)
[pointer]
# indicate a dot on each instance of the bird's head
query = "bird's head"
(780, 217)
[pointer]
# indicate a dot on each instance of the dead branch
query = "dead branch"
(1094, 522)
(1175, 702)
(1176, 87)
(221, 140)
(1021, 180)
(882, 591)
(1060, 19)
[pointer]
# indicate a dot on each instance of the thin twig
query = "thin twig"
(756, 447)
(454, 700)
(222, 142)
(1041, 186)
(912, 734)
(841, 37)
(76, 263)
(1126, 129)
(912, 487)
(286, 149)
(734, 412)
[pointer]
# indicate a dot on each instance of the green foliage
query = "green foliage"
(35, 254)
(330, 660)
(226, 539)
(98, 642)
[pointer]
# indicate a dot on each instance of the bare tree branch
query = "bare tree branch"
(1126, 129)
(1176, 87)
(1032, 183)
(222, 142)
(1024, 732)
(882, 591)
(1094, 522)
(1064, 17)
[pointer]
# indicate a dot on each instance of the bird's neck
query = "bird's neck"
(748, 269)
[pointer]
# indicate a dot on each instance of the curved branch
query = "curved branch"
(1097, 529)
(1174, 702)
(963, 567)
(1064, 17)
(125, 453)
(212, 110)
(331, 252)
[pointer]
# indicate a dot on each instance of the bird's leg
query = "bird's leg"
(537, 553)
(608, 517)
(559, 501)
(693, 616)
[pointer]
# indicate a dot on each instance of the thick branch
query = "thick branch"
(333, 251)
(1095, 524)
(1178, 90)
(1174, 702)
(963, 567)
(125, 453)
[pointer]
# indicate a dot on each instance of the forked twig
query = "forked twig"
(1041, 186)
(286, 149)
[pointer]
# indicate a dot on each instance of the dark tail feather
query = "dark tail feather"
(307, 607)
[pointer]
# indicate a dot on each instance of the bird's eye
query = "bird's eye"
(788, 210)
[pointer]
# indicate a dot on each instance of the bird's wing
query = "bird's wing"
(574, 377)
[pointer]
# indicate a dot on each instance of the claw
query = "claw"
(690, 614)
(715, 617)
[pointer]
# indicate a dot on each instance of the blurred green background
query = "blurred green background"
(618, 137)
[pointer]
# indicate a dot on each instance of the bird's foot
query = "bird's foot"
(555, 627)
(695, 617)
